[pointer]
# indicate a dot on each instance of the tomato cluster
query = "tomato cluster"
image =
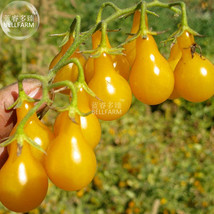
(23, 180)
(70, 161)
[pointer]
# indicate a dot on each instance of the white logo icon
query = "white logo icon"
(19, 20)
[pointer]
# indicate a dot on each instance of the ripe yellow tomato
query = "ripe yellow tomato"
(70, 162)
(61, 53)
(89, 125)
(55, 60)
(120, 62)
(151, 78)
(34, 129)
(194, 78)
(111, 88)
(69, 71)
(23, 181)
(175, 55)
(194, 74)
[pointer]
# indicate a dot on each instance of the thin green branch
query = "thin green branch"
(43, 79)
(76, 61)
(104, 5)
(157, 3)
(31, 76)
(103, 36)
(183, 10)
(71, 86)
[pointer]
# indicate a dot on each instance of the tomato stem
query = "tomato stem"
(184, 22)
(170, 6)
(104, 5)
(73, 107)
(76, 26)
(71, 86)
(143, 27)
(103, 35)
(184, 14)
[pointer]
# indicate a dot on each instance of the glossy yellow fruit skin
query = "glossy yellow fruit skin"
(185, 41)
(151, 78)
(194, 74)
(70, 162)
(89, 69)
(61, 53)
(69, 71)
(55, 60)
(90, 125)
(120, 62)
(194, 78)
(175, 55)
(23, 181)
(121, 65)
(111, 88)
(40, 134)
(35, 130)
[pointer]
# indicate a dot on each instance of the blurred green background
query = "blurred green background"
(153, 160)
